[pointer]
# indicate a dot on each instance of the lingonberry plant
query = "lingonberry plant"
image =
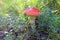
(29, 19)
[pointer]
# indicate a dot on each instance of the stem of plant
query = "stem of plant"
(32, 22)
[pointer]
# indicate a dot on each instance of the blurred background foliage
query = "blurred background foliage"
(12, 15)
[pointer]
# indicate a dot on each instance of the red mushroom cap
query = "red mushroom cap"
(32, 12)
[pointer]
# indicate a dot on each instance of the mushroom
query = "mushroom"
(32, 13)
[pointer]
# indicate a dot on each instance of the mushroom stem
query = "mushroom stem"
(32, 21)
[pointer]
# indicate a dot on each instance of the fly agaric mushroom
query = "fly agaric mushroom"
(33, 13)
